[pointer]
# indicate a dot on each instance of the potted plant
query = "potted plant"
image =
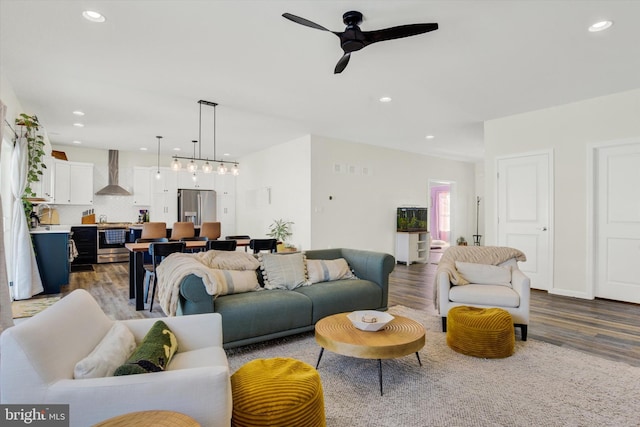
(29, 128)
(281, 231)
(461, 241)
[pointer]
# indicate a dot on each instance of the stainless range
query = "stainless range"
(111, 239)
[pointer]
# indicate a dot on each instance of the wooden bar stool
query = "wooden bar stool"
(154, 230)
(210, 230)
(182, 230)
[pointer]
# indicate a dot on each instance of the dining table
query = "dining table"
(137, 271)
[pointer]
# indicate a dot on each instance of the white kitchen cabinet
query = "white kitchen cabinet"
(412, 247)
(142, 185)
(72, 183)
(203, 181)
(44, 187)
(164, 197)
(225, 185)
(168, 182)
(226, 214)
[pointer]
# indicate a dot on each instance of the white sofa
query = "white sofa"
(38, 357)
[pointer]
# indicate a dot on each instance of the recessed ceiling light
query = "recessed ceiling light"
(600, 26)
(226, 154)
(429, 137)
(143, 148)
(176, 149)
(77, 142)
(93, 16)
(385, 99)
(78, 113)
(78, 125)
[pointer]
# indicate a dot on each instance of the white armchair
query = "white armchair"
(38, 357)
(513, 296)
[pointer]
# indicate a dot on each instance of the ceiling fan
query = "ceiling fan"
(353, 38)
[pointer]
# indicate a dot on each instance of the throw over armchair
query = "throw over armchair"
(485, 277)
(39, 356)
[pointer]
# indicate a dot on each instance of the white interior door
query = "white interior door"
(617, 254)
(524, 213)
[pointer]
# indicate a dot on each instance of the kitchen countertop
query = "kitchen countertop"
(48, 229)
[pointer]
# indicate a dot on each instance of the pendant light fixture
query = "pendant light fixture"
(193, 166)
(158, 164)
(207, 167)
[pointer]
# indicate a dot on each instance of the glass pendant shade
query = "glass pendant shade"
(235, 171)
(192, 166)
(176, 165)
(158, 176)
(207, 168)
(194, 177)
(222, 169)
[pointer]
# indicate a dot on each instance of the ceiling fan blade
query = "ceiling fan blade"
(397, 32)
(342, 63)
(304, 22)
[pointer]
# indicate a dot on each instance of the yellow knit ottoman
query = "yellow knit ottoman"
(480, 332)
(277, 392)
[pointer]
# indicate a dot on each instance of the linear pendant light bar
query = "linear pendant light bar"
(206, 168)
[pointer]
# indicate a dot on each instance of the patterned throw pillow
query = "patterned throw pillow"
(286, 271)
(324, 270)
(235, 282)
(154, 352)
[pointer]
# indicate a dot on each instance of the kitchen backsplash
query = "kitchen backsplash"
(116, 208)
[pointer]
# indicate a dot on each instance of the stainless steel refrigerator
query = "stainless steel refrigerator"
(196, 206)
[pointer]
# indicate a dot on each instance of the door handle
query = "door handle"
(543, 228)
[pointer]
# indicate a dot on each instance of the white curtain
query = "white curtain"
(26, 278)
(6, 319)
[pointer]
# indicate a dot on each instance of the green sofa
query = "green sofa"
(259, 316)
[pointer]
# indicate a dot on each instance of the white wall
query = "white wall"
(567, 130)
(358, 210)
(274, 184)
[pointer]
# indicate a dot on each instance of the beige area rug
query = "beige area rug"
(540, 385)
(31, 307)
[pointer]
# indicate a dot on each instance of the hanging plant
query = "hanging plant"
(29, 130)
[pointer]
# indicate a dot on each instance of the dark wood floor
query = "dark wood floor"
(608, 329)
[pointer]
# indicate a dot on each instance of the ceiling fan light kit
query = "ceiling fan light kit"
(192, 166)
(353, 38)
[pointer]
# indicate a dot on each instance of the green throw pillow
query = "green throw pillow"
(154, 352)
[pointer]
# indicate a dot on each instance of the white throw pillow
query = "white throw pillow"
(114, 349)
(484, 274)
(324, 270)
(286, 271)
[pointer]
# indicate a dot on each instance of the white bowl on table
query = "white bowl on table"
(363, 319)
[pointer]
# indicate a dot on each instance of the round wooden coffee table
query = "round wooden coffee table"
(400, 337)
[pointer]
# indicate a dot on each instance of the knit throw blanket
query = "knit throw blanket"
(177, 266)
(493, 255)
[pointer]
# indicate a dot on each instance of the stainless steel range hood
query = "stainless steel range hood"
(113, 189)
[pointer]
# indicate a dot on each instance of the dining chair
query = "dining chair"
(222, 245)
(211, 230)
(239, 237)
(154, 230)
(158, 251)
(258, 245)
(182, 229)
